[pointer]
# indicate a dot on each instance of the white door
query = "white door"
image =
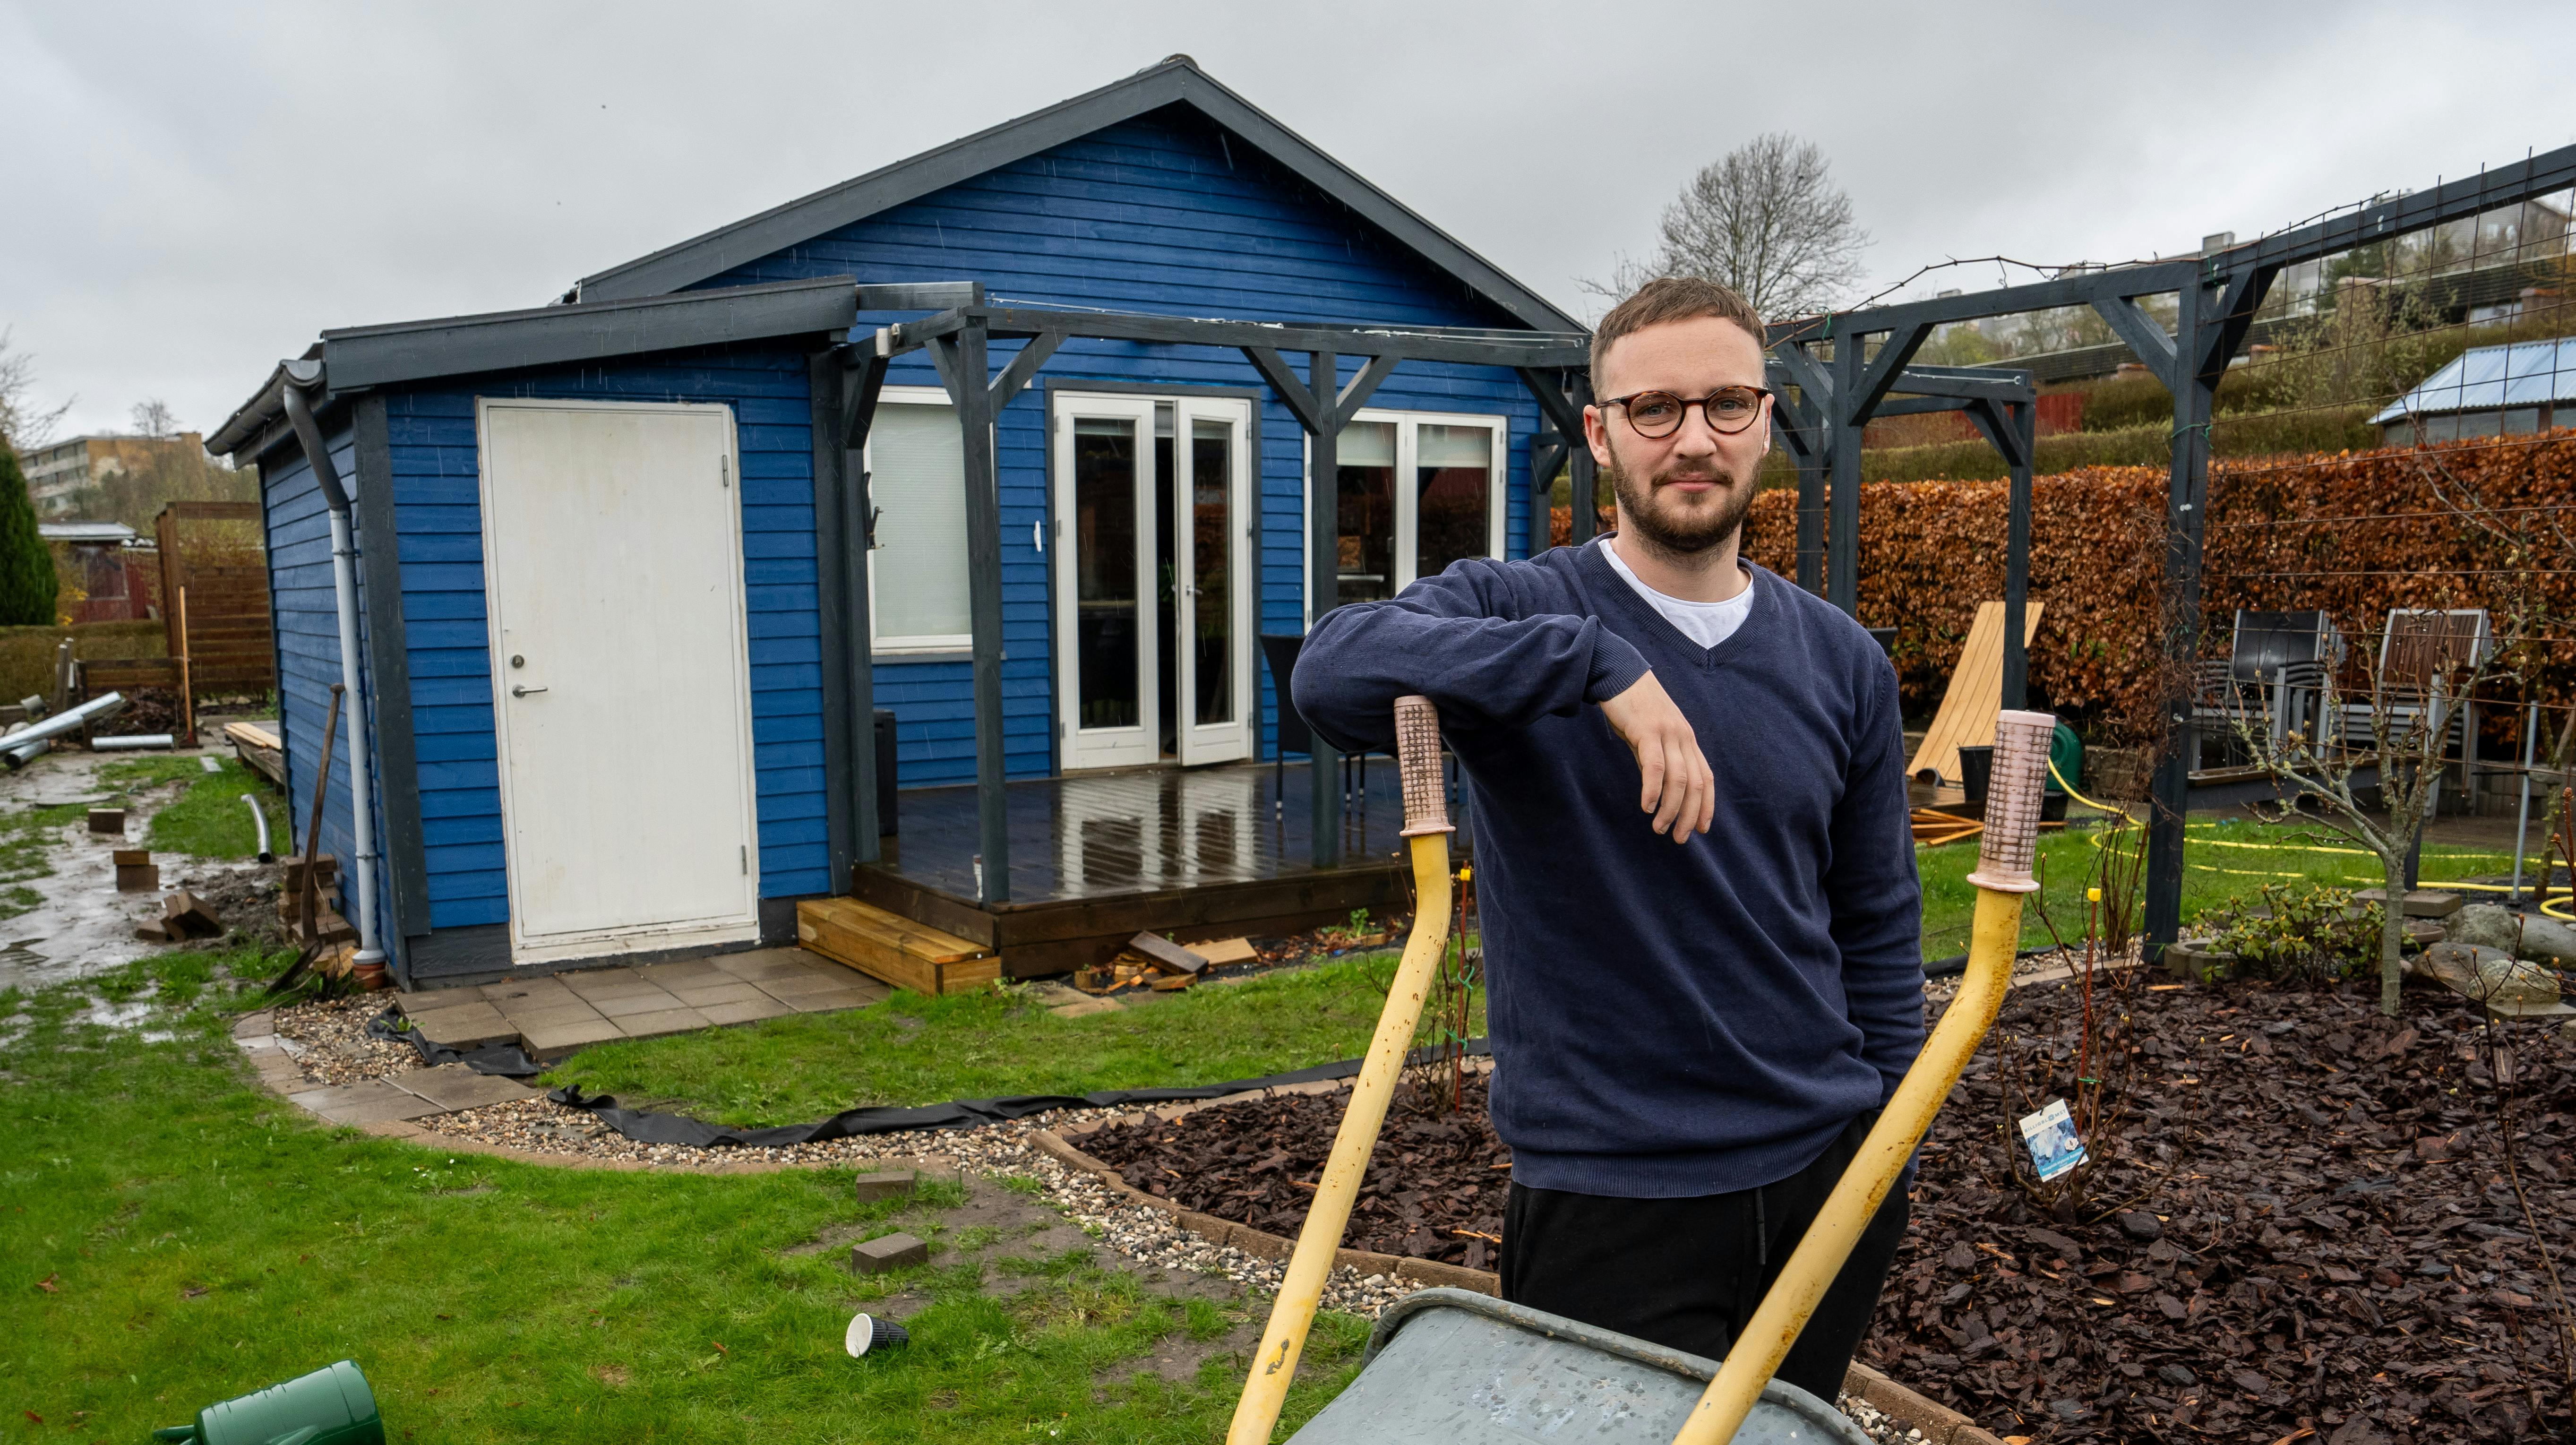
(1108, 658)
(1212, 545)
(612, 553)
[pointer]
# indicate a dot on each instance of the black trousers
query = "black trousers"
(1687, 1273)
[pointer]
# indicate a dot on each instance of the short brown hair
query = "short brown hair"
(1673, 298)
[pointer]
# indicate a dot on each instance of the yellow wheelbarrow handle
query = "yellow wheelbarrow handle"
(1301, 1287)
(2003, 876)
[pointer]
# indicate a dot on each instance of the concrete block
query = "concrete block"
(2418, 903)
(454, 1086)
(650, 1000)
(748, 1011)
(603, 983)
(894, 1251)
(471, 1024)
(660, 1022)
(553, 1040)
(884, 1184)
(369, 1102)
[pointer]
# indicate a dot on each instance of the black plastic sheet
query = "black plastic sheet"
(507, 1060)
(648, 1128)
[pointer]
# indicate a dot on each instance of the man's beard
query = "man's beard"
(1678, 528)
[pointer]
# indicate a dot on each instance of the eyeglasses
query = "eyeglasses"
(1658, 414)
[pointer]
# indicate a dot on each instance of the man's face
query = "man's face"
(1689, 491)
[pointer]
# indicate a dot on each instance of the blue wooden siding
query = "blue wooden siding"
(1160, 214)
(439, 516)
(307, 617)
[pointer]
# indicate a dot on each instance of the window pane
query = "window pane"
(1454, 465)
(1105, 612)
(917, 481)
(1367, 511)
(1212, 557)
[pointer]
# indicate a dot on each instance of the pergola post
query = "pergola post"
(961, 358)
(1324, 586)
(854, 382)
(1583, 474)
(2012, 426)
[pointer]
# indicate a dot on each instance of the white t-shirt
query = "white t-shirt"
(1706, 623)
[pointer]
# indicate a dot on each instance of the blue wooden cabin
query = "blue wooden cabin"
(636, 569)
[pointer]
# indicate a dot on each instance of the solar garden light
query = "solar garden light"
(2003, 876)
(331, 1406)
(1301, 1286)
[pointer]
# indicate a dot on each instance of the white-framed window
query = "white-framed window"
(1418, 490)
(917, 595)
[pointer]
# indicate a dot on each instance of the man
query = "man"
(1699, 1006)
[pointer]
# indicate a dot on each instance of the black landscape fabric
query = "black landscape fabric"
(507, 1060)
(645, 1128)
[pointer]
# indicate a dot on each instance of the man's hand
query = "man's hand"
(1679, 788)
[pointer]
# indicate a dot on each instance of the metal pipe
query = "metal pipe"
(2003, 876)
(1301, 1285)
(133, 742)
(2522, 822)
(19, 746)
(303, 376)
(260, 819)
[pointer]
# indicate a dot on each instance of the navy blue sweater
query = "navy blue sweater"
(1667, 1020)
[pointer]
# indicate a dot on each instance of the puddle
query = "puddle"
(82, 925)
(115, 1015)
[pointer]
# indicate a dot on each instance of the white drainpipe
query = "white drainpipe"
(300, 377)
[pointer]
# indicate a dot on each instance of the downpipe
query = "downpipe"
(302, 376)
(2003, 877)
(1301, 1285)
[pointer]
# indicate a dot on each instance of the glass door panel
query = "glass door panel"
(1212, 505)
(1107, 647)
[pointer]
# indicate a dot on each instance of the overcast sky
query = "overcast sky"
(195, 190)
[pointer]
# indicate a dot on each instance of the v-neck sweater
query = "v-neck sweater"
(1667, 1020)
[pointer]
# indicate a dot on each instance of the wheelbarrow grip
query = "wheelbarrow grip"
(1301, 1285)
(2003, 876)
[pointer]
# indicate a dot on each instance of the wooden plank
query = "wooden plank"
(893, 949)
(895, 931)
(255, 734)
(1162, 950)
(1976, 692)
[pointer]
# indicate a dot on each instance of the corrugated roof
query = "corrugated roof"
(85, 531)
(2492, 378)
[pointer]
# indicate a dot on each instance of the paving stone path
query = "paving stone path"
(558, 1014)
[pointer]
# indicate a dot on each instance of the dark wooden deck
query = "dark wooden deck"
(1194, 854)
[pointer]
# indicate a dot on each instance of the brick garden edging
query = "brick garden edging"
(1940, 1424)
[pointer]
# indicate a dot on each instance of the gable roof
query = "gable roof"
(1175, 81)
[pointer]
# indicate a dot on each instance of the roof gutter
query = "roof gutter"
(295, 380)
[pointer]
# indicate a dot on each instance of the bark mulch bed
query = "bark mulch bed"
(2299, 1218)
(1435, 1184)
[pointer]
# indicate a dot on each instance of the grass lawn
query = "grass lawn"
(208, 820)
(2221, 863)
(171, 1235)
(917, 1050)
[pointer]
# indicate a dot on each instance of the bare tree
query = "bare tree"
(153, 418)
(23, 426)
(1767, 220)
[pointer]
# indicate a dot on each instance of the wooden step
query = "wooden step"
(893, 948)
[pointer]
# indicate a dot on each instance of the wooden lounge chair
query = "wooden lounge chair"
(1975, 696)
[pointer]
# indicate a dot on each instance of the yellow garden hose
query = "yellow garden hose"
(1301, 1286)
(2003, 876)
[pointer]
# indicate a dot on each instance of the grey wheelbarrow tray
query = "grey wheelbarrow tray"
(1456, 1366)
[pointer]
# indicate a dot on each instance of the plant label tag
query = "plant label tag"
(2050, 1133)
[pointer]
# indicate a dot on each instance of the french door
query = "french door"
(1153, 506)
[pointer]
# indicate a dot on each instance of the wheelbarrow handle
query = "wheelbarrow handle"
(1301, 1285)
(2003, 877)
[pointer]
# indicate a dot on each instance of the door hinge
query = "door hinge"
(745, 850)
(724, 471)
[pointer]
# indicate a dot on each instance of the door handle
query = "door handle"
(525, 691)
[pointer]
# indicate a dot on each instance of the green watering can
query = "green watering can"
(331, 1406)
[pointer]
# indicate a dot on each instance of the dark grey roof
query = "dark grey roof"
(358, 357)
(1176, 81)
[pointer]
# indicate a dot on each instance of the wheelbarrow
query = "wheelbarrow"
(1457, 1366)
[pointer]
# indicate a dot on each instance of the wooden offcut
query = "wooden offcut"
(893, 948)
(1975, 695)
(1167, 953)
(259, 749)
